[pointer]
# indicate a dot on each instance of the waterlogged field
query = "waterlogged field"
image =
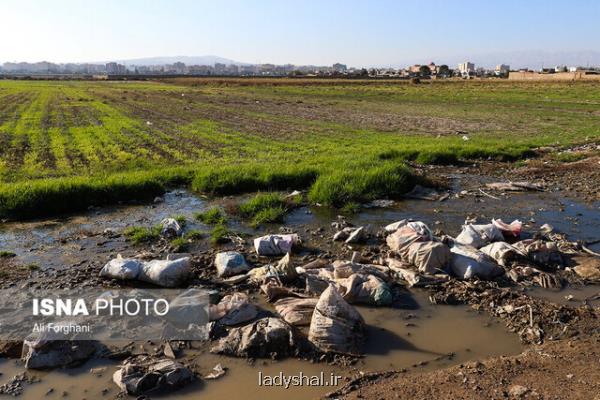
(67, 145)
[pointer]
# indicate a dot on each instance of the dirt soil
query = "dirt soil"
(580, 177)
(566, 369)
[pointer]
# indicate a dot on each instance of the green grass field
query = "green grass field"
(66, 145)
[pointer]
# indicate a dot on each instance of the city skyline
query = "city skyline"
(382, 33)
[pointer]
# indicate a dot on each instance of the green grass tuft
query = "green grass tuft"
(264, 208)
(211, 216)
(180, 220)
(251, 178)
(219, 234)
(7, 254)
(360, 185)
(140, 234)
(60, 195)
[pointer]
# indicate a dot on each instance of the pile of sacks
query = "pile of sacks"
(470, 255)
(483, 251)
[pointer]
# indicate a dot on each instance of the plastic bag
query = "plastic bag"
(479, 235)
(273, 245)
(467, 262)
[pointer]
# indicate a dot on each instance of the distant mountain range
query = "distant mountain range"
(187, 60)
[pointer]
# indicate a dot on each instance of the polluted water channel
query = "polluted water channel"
(412, 335)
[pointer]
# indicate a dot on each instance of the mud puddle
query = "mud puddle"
(573, 296)
(417, 336)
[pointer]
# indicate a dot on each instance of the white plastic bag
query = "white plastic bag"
(273, 245)
(479, 235)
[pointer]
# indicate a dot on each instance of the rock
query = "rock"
(265, 338)
(230, 263)
(141, 374)
(217, 372)
(343, 234)
(57, 353)
(11, 348)
(168, 351)
(587, 268)
(358, 235)
(517, 391)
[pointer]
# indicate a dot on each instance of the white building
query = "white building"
(466, 68)
(502, 69)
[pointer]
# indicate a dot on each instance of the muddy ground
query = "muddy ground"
(559, 335)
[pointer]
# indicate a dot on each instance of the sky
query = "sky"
(357, 33)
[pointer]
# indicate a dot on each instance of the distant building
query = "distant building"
(341, 68)
(220, 68)
(466, 68)
(502, 70)
(414, 69)
(433, 68)
(112, 68)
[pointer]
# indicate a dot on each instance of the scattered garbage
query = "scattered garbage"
(165, 273)
(284, 271)
(233, 309)
(479, 235)
(365, 289)
(336, 326)
(358, 235)
(43, 354)
(143, 373)
(351, 234)
(296, 311)
(230, 263)
(468, 262)
(170, 228)
(416, 245)
(541, 252)
(265, 338)
(587, 268)
(217, 372)
(274, 245)
(429, 257)
(509, 230)
(422, 193)
(515, 186)
(503, 253)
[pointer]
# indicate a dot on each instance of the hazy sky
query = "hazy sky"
(366, 32)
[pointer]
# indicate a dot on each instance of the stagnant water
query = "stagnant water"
(417, 336)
